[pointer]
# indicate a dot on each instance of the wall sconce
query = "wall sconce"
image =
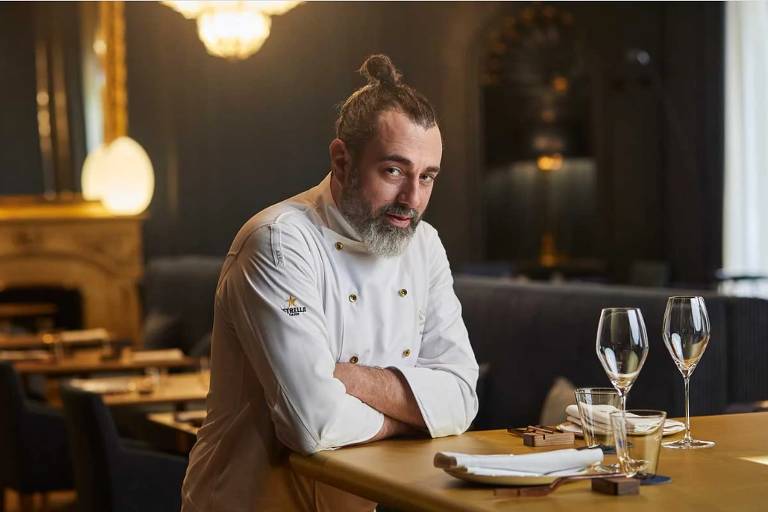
(232, 29)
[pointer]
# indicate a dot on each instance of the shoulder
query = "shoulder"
(293, 220)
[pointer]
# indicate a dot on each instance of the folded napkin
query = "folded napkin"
(532, 464)
(600, 419)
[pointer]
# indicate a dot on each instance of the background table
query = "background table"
(177, 388)
(400, 473)
(85, 362)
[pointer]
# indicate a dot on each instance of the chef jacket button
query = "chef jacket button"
(339, 246)
(352, 297)
(353, 359)
(403, 292)
(406, 352)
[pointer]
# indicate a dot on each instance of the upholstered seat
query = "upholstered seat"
(110, 476)
(33, 442)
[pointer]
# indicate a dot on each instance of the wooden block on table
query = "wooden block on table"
(556, 439)
(616, 486)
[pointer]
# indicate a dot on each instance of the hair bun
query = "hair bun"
(379, 68)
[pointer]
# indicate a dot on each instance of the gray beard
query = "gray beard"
(381, 237)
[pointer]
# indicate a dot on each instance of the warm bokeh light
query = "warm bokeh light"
(230, 28)
(552, 162)
(188, 9)
(120, 175)
(233, 33)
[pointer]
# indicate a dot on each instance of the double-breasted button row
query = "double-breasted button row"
(339, 246)
(353, 296)
(354, 359)
(407, 352)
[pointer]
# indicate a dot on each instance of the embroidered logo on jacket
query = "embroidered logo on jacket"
(293, 308)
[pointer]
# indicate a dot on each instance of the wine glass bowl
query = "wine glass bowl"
(686, 335)
(622, 347)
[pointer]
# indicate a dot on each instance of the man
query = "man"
(335, 317)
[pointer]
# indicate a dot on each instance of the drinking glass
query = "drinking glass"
(622, 346)
(638, 436)
(595, 406)
(686, 335)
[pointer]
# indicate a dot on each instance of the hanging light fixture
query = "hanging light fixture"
(232, 29)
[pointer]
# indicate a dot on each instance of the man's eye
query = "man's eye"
(393, 171)
(428, 178)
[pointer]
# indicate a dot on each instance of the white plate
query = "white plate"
(507, 480)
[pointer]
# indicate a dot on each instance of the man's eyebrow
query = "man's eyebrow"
(405, 161)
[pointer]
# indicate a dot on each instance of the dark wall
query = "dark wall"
(229, 138)
(20, 160)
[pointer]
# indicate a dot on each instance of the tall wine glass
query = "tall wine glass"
(622, 346)
(686, 335)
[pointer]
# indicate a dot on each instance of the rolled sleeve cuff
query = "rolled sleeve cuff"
(440, 399)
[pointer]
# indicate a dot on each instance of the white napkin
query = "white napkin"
(601, 419)
(532, 464)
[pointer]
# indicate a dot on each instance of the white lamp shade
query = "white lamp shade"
(121, 175)
(93, 180)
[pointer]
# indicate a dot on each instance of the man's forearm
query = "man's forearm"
(383, 389)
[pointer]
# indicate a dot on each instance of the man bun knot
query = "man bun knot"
(379, 68)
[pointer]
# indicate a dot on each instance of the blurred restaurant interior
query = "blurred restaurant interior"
(596, 154)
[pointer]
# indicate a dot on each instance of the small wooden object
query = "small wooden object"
(557, 439)
(536, 435)
(616, 486)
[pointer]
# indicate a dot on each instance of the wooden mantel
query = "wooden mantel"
(79, 245)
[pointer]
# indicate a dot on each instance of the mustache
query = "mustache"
(400, 211)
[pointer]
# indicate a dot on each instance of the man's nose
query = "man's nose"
(409, 193)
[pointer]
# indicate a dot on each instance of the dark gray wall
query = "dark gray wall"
(229, 138)
(20, 161)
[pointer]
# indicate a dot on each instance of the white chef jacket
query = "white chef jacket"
(299, 292)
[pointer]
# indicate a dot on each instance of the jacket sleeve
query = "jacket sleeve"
(271, 291)
(444, 378)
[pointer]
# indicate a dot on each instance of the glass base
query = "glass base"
(606, 468)
(693, 444)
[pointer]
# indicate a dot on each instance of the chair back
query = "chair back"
(95, 446)
(11, 411)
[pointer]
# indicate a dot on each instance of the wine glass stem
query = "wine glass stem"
(623, 400)
(687, 437)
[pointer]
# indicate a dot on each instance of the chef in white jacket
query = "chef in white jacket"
(335, 318)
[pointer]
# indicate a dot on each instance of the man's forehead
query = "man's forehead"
(397, 134)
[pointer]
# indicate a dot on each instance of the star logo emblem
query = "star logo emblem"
(291, 301)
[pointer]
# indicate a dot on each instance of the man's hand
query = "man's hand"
(384, 389)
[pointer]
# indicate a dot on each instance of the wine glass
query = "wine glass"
(622, 346)
(686, 335)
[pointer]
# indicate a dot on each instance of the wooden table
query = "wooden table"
(68, 339)
(85, 362)
(185, 432)
(177, 388)
(400, 473)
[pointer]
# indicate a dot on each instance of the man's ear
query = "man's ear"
(341, 160)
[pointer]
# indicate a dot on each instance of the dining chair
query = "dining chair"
(33, 443)
(110, 475)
